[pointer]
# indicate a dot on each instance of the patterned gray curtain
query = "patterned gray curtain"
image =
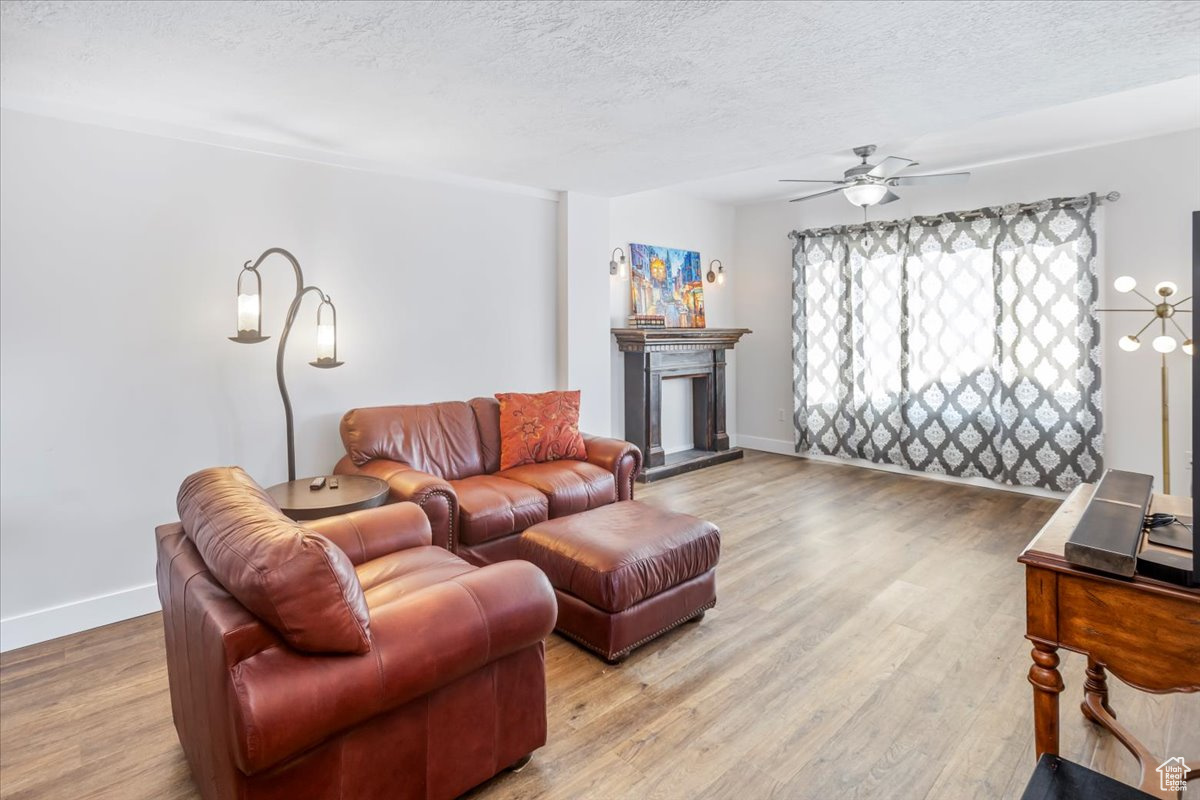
(965, 344)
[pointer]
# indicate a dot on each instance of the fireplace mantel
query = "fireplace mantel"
(641, 340)
(652, 354)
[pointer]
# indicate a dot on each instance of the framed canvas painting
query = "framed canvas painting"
(667, 282)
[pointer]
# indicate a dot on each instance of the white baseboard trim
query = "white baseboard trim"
(786, 448)
(80, 615)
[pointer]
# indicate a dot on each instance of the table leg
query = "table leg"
(1095, 690)
(1047, 683)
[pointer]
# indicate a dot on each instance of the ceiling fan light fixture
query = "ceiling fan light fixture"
(865, 194)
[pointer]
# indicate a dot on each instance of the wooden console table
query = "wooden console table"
(652, 354)
(1143, 631)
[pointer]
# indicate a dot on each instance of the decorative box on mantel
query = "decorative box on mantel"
(654, 354)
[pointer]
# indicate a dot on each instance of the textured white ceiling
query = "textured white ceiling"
(602, 97)
(1132, 114)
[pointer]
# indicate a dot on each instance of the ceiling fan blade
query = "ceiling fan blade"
(890, 197)
(940, 179)
(806, 180)
(818, 194)
(890, 166)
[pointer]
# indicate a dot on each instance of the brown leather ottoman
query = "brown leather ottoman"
(625, 573)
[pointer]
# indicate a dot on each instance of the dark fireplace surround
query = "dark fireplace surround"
(654, 354)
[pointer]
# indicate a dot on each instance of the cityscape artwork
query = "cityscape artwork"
(667, 282)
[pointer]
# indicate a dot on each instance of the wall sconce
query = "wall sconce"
(618, 265)
(719, 276)
(1164, 311)
(249, 323)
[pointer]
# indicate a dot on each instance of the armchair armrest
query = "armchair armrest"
(374, 532)
(435, 496)
(619, 457)
(421, 642)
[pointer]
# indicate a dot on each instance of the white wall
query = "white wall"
(583, 315)
(676, 220)
(1147, 234)
(118, 258)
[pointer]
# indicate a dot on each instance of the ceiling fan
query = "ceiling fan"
(871, 185)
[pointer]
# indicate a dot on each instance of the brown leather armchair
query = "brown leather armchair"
(445, 457)
(346, 658)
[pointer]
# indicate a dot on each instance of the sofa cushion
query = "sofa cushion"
(490, 507)
(570, 486)
(487, 419)
(615, 556)
(439, 438)
(539, 427)
(296, 581)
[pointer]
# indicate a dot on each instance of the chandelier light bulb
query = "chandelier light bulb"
(1166, 288)
(1164, 344)
(1129, 343)
(1189, 347)
(1124, 284)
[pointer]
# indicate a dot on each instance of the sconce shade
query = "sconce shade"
(718, 275)
(249, 309)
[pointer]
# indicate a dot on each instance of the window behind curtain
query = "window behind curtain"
(965, 344)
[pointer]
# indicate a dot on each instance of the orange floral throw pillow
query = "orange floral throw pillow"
(539, 427)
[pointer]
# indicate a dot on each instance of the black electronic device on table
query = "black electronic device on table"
(1108, 537)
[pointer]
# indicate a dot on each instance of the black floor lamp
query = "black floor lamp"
(249, 331)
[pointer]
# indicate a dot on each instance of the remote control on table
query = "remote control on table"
(316, 484)
(333, 483)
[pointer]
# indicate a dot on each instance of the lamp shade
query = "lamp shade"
(249, 307)
(1164, 344)
(1189, 347)
(1124, 284)
(865, 194)
(1129, 343)
(326, 340)
(1166, 288)
(326, 336)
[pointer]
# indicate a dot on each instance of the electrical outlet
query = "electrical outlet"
(782, 415)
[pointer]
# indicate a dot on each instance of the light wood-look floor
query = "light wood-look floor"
(867, 643)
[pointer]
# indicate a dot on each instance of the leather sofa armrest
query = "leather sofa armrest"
(420, 643)
(374, 532)
(435, 496)
(619, 457)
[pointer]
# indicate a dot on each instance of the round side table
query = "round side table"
(354, 492)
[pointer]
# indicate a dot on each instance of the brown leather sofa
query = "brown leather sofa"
(346, 658)
(445, 457)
